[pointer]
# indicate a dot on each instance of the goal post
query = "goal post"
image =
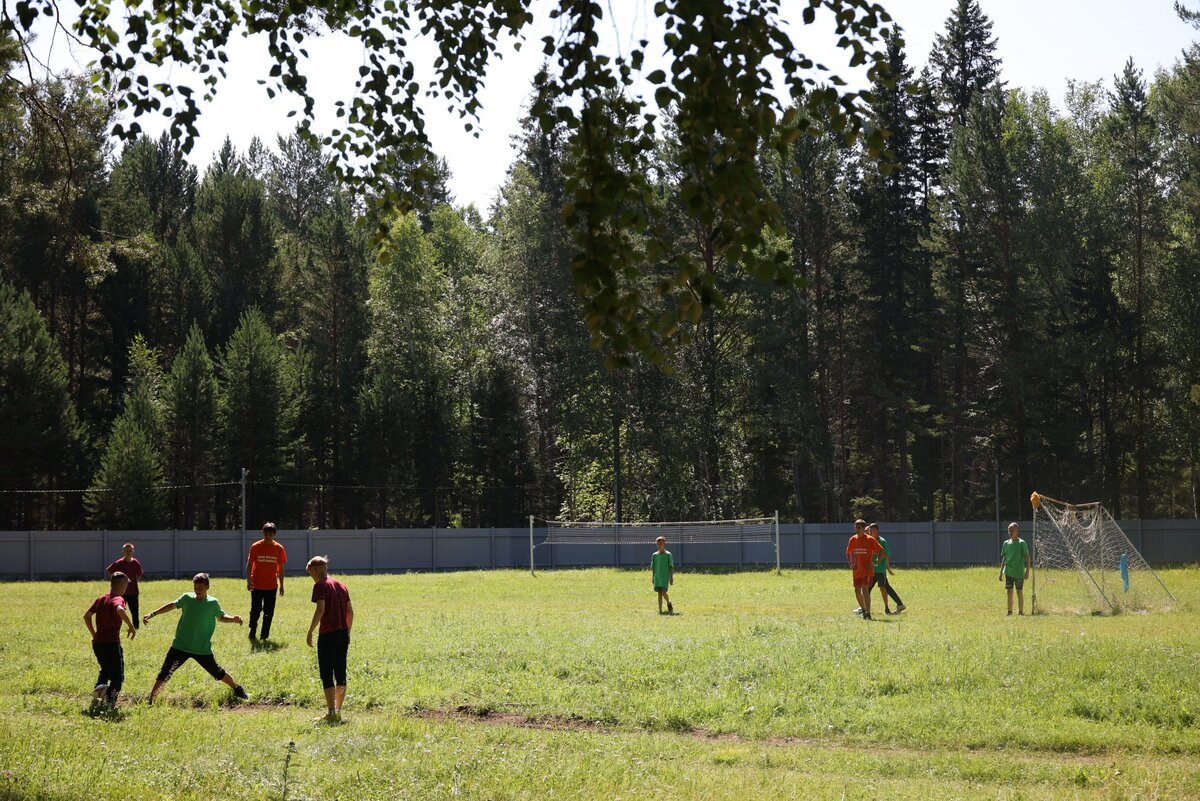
(688, 532)
(1083, 561)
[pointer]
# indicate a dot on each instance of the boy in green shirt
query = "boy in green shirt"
(1014, 566)
(662, 571)
(193, 635)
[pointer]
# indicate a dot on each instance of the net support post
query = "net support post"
(778, 571)
(1033, 562)
(531, 571)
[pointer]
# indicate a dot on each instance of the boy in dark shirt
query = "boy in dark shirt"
(335, 616)
(108, 613)
(132, 569)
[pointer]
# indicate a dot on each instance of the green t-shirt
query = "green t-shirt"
(1013, 554)
(660, 565)
(194, 633)
(882, 565)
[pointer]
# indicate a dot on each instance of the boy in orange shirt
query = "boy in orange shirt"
(264, 575)
(862, 552)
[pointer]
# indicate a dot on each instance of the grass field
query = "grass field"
(502, 686)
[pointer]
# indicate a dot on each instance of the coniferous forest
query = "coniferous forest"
(1015, 291)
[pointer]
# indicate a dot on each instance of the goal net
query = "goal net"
(698, 532)
(1083, 561)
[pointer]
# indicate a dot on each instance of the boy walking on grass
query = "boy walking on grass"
(1014, 566)
(109, 613)
(335, 615)
(132, 569)
(662, 571)
(883, 567)
(861, 553)
(193, 635)
(264, 577)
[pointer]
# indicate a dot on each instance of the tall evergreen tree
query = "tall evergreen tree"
(256, 411)
(125, 492)
(190, 415)
(40, 446)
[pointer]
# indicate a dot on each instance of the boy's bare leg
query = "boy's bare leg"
(229, 680)
(331, 704)
(1020, 601)
(660, 599)
(883, 595)
(158, 685)
(1010, 593)
(339, 698)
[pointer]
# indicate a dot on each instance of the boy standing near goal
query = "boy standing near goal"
(132, 569)
(193, 635)
(335, 615)
(662, 571)
(109, 613)
(264, 575)
(1014, 566)
(862, 551)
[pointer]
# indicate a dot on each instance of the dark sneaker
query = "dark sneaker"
(1010, 613)
(866, 615)
(887, 611)
(240, 692)
(900, 608)
(670, 609)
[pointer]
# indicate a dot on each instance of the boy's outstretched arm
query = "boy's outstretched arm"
(231, 619)
(167, 607)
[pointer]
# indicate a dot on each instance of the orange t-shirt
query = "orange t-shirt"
(266, 564)
(861, 550)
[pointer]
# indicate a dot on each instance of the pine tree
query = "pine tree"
(41, 432)
(190, 415)
(123, 495)
(963, 58)
(256, 412)
(1132, 131)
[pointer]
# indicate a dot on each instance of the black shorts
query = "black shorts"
(332, 647)
(1010, 582)
(878, 580)
(175, 659)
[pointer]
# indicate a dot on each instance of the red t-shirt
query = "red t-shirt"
(266, 564)
(336, 598)
(861, 551)
(107, 609)
(132, 570)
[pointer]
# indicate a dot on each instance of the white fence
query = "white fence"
(79, 554)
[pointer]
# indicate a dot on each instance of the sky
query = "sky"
(1042, 44)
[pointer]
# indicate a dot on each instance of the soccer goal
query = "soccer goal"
(1083, 561)
(745, 530)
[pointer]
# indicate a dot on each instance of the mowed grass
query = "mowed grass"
(499, 685)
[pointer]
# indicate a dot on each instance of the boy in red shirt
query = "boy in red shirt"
(862, 552)
(109, 613)
(335, 615)
(264, 574)
(132, 569)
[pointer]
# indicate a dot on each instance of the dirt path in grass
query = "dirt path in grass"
(493, 717)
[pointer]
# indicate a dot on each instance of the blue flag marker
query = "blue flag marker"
(1125, 572)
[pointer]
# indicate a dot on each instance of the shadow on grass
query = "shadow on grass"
(267, 645)
(99, 710)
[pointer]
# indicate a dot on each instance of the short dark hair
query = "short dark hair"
(268, 526)
(200, 578)
(872, 525)
(117, 577)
